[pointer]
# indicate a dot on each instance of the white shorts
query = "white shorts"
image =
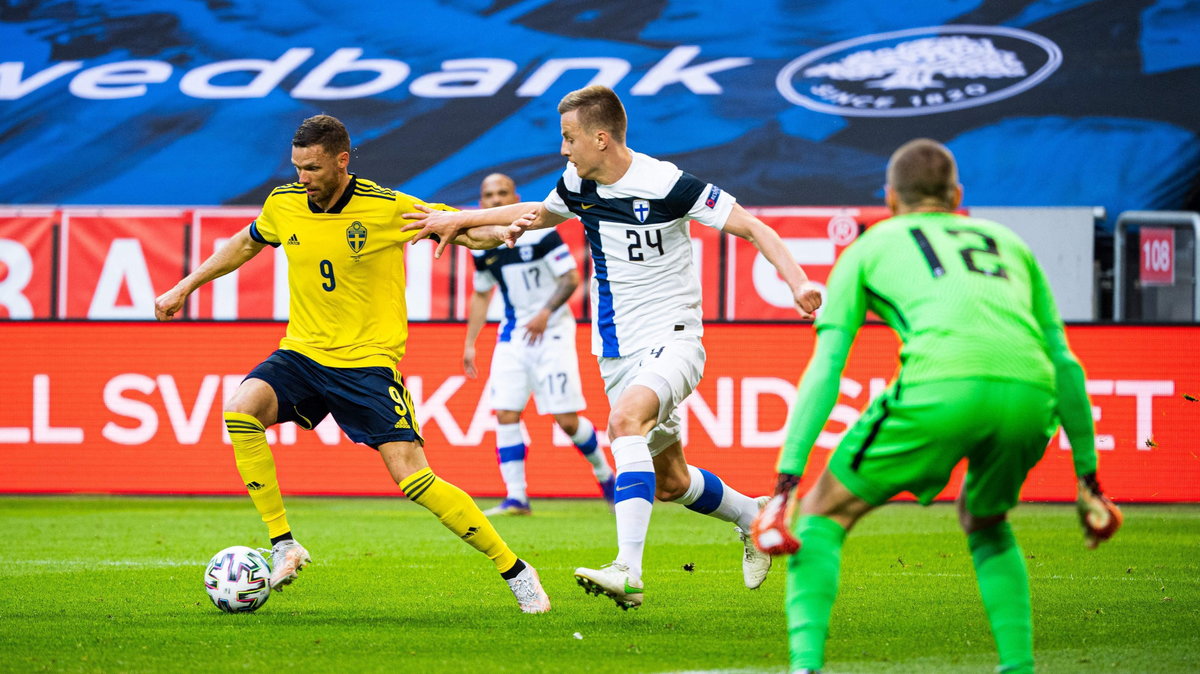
(549, 370)
(672, 371)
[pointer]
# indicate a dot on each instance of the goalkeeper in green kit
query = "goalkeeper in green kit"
(986, 375)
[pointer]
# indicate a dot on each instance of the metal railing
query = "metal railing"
(1173, 219)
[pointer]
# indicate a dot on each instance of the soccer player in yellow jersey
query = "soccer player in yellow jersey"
(347, 331)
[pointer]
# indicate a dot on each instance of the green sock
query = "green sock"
(812, 585)
(1004, 587)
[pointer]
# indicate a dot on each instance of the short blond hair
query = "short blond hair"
(598, 108)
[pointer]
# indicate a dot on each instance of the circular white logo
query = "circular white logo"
(842, 230)
(920, 71)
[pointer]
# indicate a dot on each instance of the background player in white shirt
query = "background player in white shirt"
(646, 317)
(535, 347)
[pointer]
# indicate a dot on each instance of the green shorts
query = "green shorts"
(911, 437)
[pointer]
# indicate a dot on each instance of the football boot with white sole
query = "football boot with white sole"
(612, 580)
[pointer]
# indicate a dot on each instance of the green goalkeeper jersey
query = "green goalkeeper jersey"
(965, 296)
(968, 300)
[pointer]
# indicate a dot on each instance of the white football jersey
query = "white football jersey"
(644, 289)
(526, 275)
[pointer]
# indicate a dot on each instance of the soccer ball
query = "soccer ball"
(237, 579)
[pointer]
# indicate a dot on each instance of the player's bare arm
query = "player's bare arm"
(805, 294)
(476, 317)
(536, 219)
(236, 252)
(448, 225)
(536, 327)
(483, 237)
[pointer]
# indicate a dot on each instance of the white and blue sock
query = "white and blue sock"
(510, 454)
(589, 446)
(708, 495)
(634, 499)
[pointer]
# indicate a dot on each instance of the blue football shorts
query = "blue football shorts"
(369, 403)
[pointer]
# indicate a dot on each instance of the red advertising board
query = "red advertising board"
(136, 408)
(816, 236)
(114, 262)
(250, 292)
(26, 259)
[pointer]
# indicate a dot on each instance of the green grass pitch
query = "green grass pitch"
(108, 584)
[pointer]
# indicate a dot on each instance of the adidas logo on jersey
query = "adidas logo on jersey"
(293, 241)
(403, 423)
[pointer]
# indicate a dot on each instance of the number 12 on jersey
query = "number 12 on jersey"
(978, 258)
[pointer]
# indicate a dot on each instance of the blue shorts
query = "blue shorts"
(369, 403)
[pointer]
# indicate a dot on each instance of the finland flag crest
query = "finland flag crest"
(641, 208)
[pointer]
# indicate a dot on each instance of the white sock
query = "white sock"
(586, 440)
(709, 495)
(634, 499)
(589, 446)
(510, 453)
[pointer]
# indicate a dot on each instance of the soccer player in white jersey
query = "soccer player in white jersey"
(646, 326)
(535, 347)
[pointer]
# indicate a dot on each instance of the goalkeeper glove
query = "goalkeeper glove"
(771, 528)
(1098, 515)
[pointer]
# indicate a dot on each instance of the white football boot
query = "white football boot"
(755, 562)
(614, 581)
(527, 588)
(287, 558)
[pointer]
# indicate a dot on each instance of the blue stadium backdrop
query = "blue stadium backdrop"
(1065, 102)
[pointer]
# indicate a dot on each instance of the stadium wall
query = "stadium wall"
(132, 407)
(110, 263)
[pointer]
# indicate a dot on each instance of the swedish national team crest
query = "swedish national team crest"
(641, 208)
(356, 236)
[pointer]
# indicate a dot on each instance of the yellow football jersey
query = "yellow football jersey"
(345, 272)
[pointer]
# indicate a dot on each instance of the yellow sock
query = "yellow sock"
(257, 467)
(459, 514)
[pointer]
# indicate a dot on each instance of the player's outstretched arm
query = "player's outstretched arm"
(805, 294)
(449, 225)
(236, 252)
(484, 237)
(1098, 515)
(1074, 406)
(537, 219)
